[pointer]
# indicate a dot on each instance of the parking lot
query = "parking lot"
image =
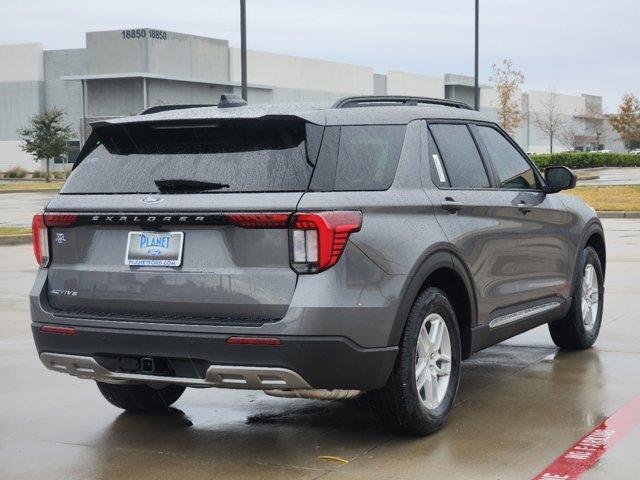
(520, 405)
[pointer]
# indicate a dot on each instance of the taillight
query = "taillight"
(40, 240)
(319, 238)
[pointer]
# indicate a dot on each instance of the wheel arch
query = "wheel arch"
(593, 236)
(444, 270)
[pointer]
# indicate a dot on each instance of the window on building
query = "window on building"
(459, 156)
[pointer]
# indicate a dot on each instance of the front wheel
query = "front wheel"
(579, 329)
(419, 394)
(140, 398)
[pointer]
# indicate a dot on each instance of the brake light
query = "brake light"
(318, 238)
(59, 219)
(40, 238)
(259, 219)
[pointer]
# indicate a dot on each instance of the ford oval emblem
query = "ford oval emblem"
(152, 200)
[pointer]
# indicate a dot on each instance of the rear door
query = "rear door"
(209, 247)
(543, 244)
(481, 222)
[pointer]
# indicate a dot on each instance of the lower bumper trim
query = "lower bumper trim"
(221, 376)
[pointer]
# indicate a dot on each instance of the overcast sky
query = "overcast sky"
(572, 46)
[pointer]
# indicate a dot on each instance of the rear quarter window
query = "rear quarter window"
(368, 156)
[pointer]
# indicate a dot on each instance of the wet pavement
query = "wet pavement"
(18, 208)
(612, 176)
(520, 405)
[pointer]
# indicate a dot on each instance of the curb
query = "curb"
(608, 214)
(15, 239)
(35, 190)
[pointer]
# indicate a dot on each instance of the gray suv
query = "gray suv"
(363, 248)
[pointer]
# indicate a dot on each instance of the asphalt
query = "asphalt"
(520, 405)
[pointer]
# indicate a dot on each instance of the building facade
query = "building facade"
(122, 72)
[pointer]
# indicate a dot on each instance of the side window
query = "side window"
(513, 171)
(459, 156)
(368, 156)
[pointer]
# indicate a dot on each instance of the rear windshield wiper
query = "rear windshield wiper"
(183, 185)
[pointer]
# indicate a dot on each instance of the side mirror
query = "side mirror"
(559, 178)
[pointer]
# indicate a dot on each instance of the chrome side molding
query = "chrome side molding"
(222, 376)
(522, 314)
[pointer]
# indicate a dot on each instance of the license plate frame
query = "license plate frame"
(154, 249)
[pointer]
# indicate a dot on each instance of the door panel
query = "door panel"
(482, 224)
(545, 251)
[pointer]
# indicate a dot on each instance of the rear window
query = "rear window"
(244, 156)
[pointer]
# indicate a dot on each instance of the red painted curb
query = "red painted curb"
(586, 452)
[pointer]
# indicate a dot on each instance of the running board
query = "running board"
(522, 314)
(222, 376)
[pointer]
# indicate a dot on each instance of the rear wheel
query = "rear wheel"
(580, 327)
(140, 398)
(420, 392)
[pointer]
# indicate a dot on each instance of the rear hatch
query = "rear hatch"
(160, 222)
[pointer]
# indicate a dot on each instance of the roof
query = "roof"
(159, 76)
(318, 113)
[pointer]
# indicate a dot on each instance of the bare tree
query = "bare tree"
(507, 80)
(549, 120)
(570, 138)
(594, 120)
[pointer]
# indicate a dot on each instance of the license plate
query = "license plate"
(154, 249)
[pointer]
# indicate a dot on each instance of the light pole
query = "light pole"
(243, 46)
(476, 84)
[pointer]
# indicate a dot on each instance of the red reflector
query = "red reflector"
(58, 329)
(59, 219)
(254, 341)
(259, 220)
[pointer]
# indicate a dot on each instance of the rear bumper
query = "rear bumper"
(206, 360)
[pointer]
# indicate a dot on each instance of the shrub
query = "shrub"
(37, 174)
(15, 172)
(59, 175)
(586, 160)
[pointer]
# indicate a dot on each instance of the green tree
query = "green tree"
(46, 137)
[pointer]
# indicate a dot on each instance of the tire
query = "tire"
(579, 329)
(140, 398)
(400, 404)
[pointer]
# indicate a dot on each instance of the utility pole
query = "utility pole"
(476, 83)
(243, 46)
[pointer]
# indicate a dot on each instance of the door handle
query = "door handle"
(524, 207)
(450, 205)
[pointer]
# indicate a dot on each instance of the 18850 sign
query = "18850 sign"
(142, 33)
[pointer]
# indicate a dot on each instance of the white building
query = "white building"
(122, 72)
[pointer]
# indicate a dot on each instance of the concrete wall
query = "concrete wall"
(170, 53)
(298, 73)
(114, 97)
(62, 94)
(21, 97)
(163, 92)
(403, 83)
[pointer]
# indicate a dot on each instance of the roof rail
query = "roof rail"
(391, 100)
(164, 108)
